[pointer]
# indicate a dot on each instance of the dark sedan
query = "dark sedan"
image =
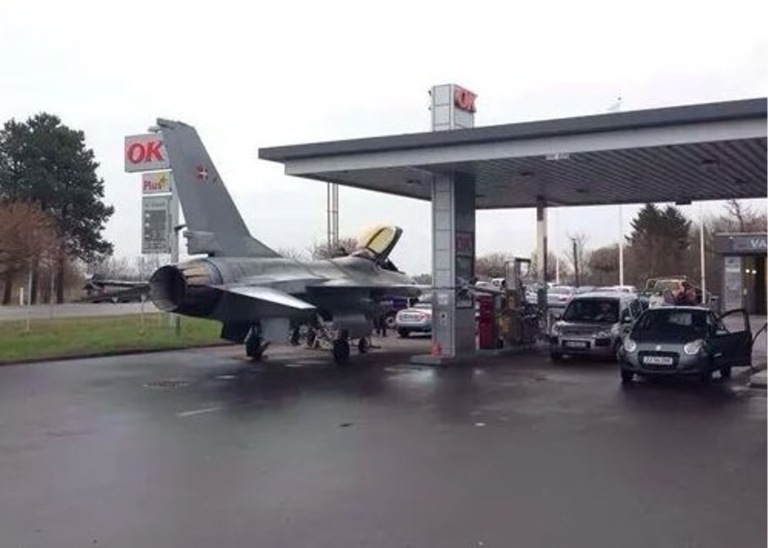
(686, 340)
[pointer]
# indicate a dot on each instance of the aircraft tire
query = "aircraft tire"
(340, 351)
(254, 347)
(363, 346)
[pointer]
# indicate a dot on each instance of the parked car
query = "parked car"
(416, 319)
(686, 340)
(658, 290)
(624, 289)
(585, 289)
(593, 324)
(559, 295)
(392, 304)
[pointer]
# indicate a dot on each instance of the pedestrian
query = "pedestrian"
(381, 326)
(688, 294)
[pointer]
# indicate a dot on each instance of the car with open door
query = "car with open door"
(686, 340)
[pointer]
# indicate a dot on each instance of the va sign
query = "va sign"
(145, 153)
(753, 243)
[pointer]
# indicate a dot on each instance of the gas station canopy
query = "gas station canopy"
(679, 154)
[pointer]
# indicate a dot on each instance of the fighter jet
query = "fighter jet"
(257, 294)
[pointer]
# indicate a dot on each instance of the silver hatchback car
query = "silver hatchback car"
(593, 324)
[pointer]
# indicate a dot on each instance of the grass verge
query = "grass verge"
(67, 337)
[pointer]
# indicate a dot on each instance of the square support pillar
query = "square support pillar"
(453, 266)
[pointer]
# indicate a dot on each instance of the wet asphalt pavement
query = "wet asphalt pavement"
(203, 449)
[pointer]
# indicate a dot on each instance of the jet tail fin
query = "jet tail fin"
(214, 225)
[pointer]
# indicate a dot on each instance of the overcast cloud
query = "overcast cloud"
(250, 76)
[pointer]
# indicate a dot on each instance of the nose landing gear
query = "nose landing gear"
(341, 348)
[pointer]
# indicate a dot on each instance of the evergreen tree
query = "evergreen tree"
(659, 243)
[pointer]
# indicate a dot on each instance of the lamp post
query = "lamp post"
(575, 260)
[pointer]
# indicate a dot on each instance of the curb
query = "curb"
(126, 352)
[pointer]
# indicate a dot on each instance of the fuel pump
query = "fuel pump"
(519, 321)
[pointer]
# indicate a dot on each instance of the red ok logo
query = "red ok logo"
(464, 99)
(141, 153)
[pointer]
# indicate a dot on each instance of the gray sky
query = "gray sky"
(249, 76)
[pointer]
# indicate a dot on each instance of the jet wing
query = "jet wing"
(346, 283)
(255, 301)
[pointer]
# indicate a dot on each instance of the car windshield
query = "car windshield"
(664, 285)
(671, 322)
(592, 310)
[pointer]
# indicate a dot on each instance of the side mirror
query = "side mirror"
(557, 316)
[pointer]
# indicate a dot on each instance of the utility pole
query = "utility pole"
(621, 246)
(575, 260)
(332, 204)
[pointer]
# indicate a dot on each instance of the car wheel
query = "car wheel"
(725, 373)
(616, 349)
(627, 376)
(556, 356)
(402, 333)
(389, 321)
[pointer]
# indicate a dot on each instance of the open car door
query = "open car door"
(733, 338)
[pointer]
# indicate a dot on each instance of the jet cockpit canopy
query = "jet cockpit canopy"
(377, 242)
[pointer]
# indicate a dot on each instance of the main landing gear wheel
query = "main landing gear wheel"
(255, 345)
(363, 346)
(340, 351)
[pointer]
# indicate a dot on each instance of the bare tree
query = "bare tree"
(552, 266)
(604, 265)
(28, 240)
(740, 217)
(491, 265)
(423, 279)
(739, 212)
(325, 251)
(115, 268)
(293, 253)
(578, 256)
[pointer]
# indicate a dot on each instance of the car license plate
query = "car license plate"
(576, 344)
(658, 360)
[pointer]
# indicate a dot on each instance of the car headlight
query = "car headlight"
(604, 334)
(629, 345)
(693, 347)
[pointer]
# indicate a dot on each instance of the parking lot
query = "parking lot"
(202, 448)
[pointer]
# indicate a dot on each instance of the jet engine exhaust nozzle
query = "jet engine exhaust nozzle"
(184, 288)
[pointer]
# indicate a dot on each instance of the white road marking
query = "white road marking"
(197, 412)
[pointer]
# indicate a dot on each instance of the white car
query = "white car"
(417, 319)
(624, 289)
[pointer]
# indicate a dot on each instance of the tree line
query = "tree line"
(52, 211)
(662, 242)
